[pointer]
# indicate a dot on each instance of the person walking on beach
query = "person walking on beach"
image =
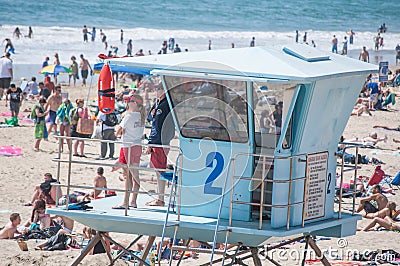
(85, 33)
(54, 101)
(121, 38)
(62, 113)
(131, 130)
(57, 63)
(334, 44)
(38, 115)
(305, 37)
(297, 36)
(85, 65)
(253, 42)
(74, 69)
(351, 36)
(129, 48)
(6, 73)
(364, 55)
(344, 49)
(14, 95)
(161, 133)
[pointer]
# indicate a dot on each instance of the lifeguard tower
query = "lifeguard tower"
(258, 130)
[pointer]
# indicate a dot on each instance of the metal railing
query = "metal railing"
(353, 192)
(268, 160)
(70, 161)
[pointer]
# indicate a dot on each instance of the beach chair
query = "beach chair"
(393, 181)
(376, 177)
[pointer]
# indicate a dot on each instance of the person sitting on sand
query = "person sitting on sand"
(99, 181)
(388, 127)
(99, 248)
(360, 109)
(371, 140)
(46, 191)
(387, 223)
(39, 218)
(10, 229)
(374, 203)
(389, 210)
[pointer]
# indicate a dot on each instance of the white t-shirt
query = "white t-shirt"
(132, 124)
(5, 66)
(33, 88)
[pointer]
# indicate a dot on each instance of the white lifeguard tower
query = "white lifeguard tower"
(258, 130)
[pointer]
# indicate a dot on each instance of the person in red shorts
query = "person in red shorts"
(131, 131)
(162, 131)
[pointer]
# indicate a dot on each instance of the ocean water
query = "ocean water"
(57, 27)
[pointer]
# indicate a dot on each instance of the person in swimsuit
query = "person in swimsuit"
(364, 55)
(374, 203)
(39, 218)
(11, 228)
(389, 210)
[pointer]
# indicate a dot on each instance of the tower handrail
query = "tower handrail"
(128, 166)
(270, 159)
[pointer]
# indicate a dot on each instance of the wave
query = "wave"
(68, 41)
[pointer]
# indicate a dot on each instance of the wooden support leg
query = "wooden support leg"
(146, 250)
(318, 252)
(256, 259)
(105, 248)
(87, 249)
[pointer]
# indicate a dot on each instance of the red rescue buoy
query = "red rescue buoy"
(106, 90)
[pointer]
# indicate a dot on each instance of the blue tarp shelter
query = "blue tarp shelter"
(126, 69)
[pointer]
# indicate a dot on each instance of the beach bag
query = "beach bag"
(85, 125)
(97, 133)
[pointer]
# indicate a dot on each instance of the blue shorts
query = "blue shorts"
(14, 106)
(52, 118)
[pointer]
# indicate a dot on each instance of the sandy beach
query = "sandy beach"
(21, 173)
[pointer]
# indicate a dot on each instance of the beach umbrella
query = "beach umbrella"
(55, 70)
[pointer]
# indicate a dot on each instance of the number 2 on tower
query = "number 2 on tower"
(208, 188)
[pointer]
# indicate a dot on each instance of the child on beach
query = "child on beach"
(15, 97)
(10, 229)
(131, 130)
(39, 218)
(38, 115)
(62, 114)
